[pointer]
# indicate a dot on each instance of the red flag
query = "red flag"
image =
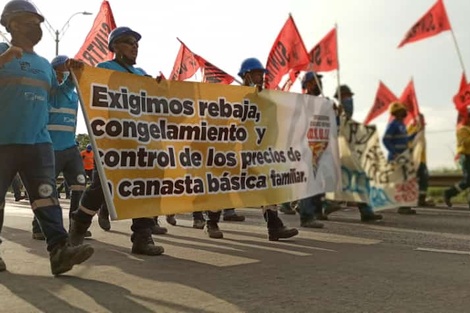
(186, 64)
(462, 100)
(432, 23)
(323, 56)
(290, 80)
(383, 98)
(212, 74)
(288, 52)
(408, 98)
(95, 48)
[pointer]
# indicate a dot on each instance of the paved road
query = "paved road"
(403, 264)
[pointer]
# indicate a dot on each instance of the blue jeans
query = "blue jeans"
(35, 163)
(311, 206)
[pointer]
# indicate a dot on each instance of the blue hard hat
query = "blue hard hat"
(119, 32)
(250, 64)
(88, 147)
(59, 60)
(16, 7)
(308, 77)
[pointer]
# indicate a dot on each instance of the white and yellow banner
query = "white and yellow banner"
(368, 177)
(173, 147)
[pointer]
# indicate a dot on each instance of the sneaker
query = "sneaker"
(199, 224)
(158, 230)
(213, 231)
(287, 210)
(103, 220)
(311, 224)
(144, 245)
(39, 236)
(371, 217)
(234, 218)
(3, 266)
(64, 257)
(274, 234)
(406, 211)
(170, 219)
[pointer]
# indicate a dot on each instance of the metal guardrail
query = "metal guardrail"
(444, 180)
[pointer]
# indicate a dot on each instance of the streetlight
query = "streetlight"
(59, 34)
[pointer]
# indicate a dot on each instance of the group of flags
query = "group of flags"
(289, 55)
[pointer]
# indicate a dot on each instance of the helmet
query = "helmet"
(88, 147)
(308, 77)
(396, 106)
(119, 32)
(343, 89)
(15, 7)
(59, 60)
(250, 64)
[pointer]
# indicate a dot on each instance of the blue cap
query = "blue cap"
(59, 60)
(308, 77)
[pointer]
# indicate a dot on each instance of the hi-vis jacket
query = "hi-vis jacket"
(63, 116)
(463, 140)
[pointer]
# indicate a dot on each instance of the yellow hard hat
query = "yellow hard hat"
(396, 106)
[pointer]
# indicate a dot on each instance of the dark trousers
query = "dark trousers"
(465, 182)
(35, 163)
(93, 198)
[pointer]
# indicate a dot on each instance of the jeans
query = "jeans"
(93, 198)
(35, 164)
(311, 206)
(465, 182)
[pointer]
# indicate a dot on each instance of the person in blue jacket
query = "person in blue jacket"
(27, 82)
(124, 42)
(396, 139)
(62, 126)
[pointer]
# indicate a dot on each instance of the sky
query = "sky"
(227, 32)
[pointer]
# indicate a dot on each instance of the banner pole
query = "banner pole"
(107, 194)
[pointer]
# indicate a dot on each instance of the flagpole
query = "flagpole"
(337, 71)
(458, 51)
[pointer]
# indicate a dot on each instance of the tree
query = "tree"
(83, 141)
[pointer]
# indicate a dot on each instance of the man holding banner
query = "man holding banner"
(123, 41)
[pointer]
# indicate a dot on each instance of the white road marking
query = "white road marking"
(443, 251)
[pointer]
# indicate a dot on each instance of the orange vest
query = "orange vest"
(87, 157)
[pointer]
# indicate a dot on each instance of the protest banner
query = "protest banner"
(174, 147)
(366, 174)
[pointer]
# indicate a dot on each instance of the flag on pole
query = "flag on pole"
(408, 98)
(382, 101)
(186, 64)
(462, 98)
(288, 52)
(212, 74)
(323, 57)
(95, 48)
(432, 23)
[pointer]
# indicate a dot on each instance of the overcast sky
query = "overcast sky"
(227, 32)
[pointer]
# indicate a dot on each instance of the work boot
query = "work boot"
(371, 217)
(64, 257)
(425, 202)
(77, 232)
(234, 218)
(286, 208)
(157, 229)
(143, 244)
(103, 219)
(170, 219)
(19, 198)
(274, 234)
(39, 236)
(199, 224)
(3, 266)
(331, 206)
(321, 217)
(406, 211)
(312, 223)
(212, 229)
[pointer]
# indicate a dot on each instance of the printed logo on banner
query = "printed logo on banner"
(317, 136)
